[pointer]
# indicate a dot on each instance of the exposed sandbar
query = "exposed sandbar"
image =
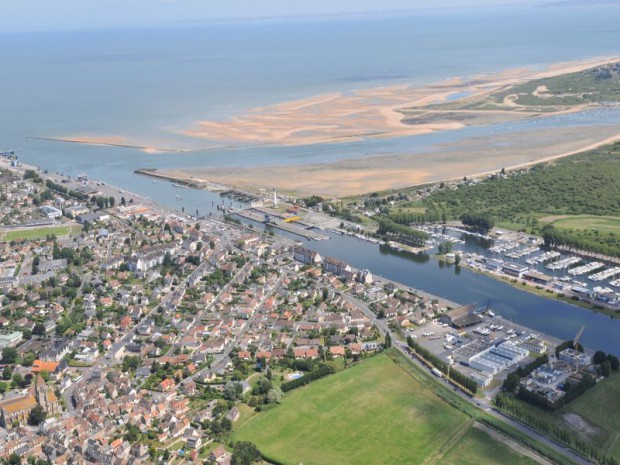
(470, 157)
(376, 112)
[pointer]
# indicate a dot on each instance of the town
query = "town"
(131, 333)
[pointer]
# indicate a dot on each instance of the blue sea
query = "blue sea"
(144, 84)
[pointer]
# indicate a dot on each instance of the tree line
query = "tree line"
(322, 371)
(457, 377)
(401, 233)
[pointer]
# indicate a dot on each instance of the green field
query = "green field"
(372, 413)
(39, 233)
(477, 447)
(604, 224)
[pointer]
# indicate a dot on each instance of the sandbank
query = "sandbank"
(375, 112)
(471, 157)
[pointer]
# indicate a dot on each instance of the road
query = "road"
(484, 403)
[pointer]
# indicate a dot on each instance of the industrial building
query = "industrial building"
(488, 357)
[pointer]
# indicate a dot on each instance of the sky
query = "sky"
(46, 15)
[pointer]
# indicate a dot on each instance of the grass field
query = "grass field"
(372, 413)
(605, 224)
(477, 447)
(38, 233)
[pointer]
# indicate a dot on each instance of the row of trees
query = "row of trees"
(428, 356)
(457, 377)
(431, 215)
(576, 240)
(322, 371)
(401, 233)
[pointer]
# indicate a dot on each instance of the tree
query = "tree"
(232, 390)
(606, 369)
(244, 453)
(599, 357)
(445, 247)
(131, 363)
(36, 261)
(614, 362)
(226, 424)
(39, 329)
(37, 416)
(7, 372)
(111, 201)
(14, 459)
(9, 355)
(17, 380)
(274, 396)
(388, 341)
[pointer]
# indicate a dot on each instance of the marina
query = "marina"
(563, 263)
(593, 266)
(606, 274)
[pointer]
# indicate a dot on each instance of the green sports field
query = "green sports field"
(372, 413)
(604, 224)
(38, 233)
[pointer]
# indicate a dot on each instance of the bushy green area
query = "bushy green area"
(584, 184)
(371, 413)
(595, 85)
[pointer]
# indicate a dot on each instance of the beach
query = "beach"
(472, 157)
(378, 112)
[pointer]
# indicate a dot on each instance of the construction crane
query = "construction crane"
(576, 340)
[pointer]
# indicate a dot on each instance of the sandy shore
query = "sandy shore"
(375, 112)
(471, 157)
(110, 141)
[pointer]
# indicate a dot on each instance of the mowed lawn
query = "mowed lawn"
(600, 407)
(372, 413)
(477, 447)
(38, 233)
(604, 224)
